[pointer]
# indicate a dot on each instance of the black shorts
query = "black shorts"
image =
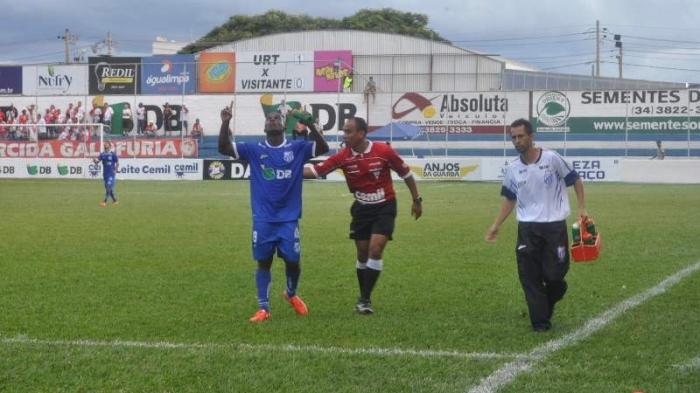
(371, 219)
(542, 250)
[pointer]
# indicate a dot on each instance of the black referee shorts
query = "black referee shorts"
(378, 218)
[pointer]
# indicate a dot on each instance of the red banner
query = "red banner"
(141, 148)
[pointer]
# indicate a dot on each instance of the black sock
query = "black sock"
(361, 279)
(371, 277)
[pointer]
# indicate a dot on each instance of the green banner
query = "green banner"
(621, 125)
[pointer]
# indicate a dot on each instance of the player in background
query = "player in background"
(536, 183)
(276, 176)
(367, 168)
(110, 166)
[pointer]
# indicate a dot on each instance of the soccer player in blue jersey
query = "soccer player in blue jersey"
(110, 165)
(276, 175)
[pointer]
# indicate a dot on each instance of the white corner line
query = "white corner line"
(391, 352)
(506, 374)
(689, 365)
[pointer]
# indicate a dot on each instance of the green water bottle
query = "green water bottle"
(576, 232)
(590, 227)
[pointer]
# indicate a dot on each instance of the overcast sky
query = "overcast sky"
(661, 39)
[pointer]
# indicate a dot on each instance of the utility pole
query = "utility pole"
(108, 43)
(618, 44)
(597, 48)
(68, 40)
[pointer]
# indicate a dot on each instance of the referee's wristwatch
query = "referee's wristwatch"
(418, 200)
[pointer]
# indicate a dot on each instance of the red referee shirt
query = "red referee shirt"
(368, 173)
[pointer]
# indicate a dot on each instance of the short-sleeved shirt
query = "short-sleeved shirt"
(368, 174)
(540, 187)
(276, 176)
(109, 163)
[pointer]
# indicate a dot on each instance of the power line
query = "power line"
(657, 67)
(661, 39)
(568, 65)
(520, 38)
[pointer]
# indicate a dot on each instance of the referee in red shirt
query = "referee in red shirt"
(367, 168)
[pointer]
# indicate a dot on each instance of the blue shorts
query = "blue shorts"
(282, 237)
(109, 181)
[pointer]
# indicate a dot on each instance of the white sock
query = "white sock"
(375, 264)
(360, 265)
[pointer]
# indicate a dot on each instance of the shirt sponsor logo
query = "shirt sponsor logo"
(276, 174)
(377, 196)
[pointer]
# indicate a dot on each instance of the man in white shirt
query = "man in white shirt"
(184, 118)
(536, 182)
(141, 118)
(107, 118)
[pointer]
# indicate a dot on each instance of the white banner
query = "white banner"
(55, 80)
(453, 113)
(271, 71)
(590, 169)
(332, 110)
(129, 169)
(595, 169)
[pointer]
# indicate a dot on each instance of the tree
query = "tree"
(387, 20)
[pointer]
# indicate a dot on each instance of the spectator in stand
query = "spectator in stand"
(96, 115)
(660, 153)
(167, 117)
(12, 129)
(197, 130)
(80, 111)
(141, 119)
(63, 135)
(151, 130)
(370, 89)
(31, 112)
(40, 127)
(184, 118)
(60, 117)
(23, 119)
(108, 112)
(127, 121)
(347, 82)
(69, 111)
(11, 113)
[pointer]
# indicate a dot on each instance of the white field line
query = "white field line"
(263, 348)
(689, 365)
(522, 365)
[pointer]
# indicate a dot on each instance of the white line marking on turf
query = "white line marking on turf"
(264, 348)
(689, 365)
(521, 365)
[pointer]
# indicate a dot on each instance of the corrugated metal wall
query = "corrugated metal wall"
(396, 63)
(399, 63)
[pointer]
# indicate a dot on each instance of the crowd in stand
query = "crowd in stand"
(76, 124)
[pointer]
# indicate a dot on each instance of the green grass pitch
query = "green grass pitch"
(154, 295)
